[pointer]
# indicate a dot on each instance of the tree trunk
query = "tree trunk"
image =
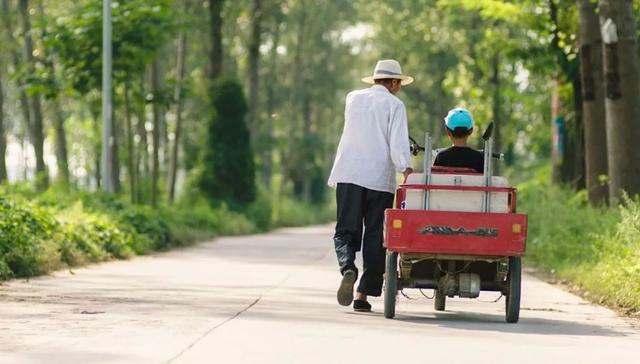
(94, 109)
(308, 152)
(155, 159)
(3, 137)
(115, 152)
(163, 145)
(622, 103)
(593, 102)
(215, 19)
(15, 58)
(143, 155)
(62, 155)
(37, 127)
(574, 165)
(267, 152)
(559, 139)
(254, 62)
(142, 146)
(131, 153)
(296, 103)
(97, 151)
(59, 116)
(165, 149)
(180, 72)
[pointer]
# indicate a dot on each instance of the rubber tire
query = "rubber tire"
(390, 285)
(514, 280)
(440, 300)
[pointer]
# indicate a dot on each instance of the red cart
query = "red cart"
(457, 232)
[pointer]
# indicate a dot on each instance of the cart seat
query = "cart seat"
(464, 201)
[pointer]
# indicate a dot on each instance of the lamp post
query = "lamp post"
(107, 122)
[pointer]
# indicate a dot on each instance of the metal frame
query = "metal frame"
(427, 169)
(488, 171)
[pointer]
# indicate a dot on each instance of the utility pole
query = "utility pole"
(107, 123)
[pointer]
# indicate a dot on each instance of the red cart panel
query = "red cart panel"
(457, 233)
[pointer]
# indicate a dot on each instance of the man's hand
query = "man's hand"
(406, 174)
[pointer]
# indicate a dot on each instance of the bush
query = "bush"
(261, 211)
(41, 232)
(147, 222)
(290, 212)
(198, 221)
(26, 232)
(597, 248)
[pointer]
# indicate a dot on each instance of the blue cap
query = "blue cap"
(459, 118)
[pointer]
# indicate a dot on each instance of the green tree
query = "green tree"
(141, 29)
(227, 163)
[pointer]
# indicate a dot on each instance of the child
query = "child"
(459, 126)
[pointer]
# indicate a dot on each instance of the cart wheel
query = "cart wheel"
(512, 301)
(391, 285)
(440, 300)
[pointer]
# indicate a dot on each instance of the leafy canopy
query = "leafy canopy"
(140, 29)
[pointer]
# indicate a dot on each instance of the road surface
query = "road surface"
(271, 299)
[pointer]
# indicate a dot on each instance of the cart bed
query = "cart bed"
(455, 233)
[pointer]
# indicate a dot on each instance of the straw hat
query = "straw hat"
(388, 68)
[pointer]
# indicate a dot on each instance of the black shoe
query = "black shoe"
(361, 306)
(345, 292)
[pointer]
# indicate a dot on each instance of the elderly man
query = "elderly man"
(374, 145)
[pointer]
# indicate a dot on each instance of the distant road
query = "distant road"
(271, 299)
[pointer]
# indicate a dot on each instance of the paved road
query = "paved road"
(271, 299)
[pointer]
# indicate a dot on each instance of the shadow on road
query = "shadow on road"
(313, 312)
(471, 321)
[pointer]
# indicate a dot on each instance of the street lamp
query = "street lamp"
(107, 122)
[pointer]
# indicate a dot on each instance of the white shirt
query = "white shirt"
(375, 141)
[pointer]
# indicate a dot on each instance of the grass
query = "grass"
(44, 231)
(596, 248)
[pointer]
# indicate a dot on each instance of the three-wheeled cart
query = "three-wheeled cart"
(457, 232)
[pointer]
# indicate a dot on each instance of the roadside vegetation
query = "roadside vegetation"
(595, 248)
(44, 231)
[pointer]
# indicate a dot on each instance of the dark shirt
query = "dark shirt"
(461, 157)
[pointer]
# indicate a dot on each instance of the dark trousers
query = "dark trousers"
(358, 206)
